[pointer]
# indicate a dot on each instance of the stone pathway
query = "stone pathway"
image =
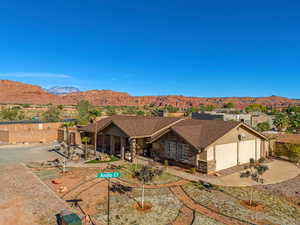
(151, 186)
(188, 202)
(185, 217)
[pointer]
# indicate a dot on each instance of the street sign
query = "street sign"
(108, 175)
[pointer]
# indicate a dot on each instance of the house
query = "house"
(208, 145)
(251, 119)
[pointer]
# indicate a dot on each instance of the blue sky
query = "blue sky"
(193, 48)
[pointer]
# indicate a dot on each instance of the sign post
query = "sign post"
(108, 176)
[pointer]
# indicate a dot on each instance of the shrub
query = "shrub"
(166, 163)
(193, 170)
(292, 151)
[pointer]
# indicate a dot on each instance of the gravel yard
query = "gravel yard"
(289, 189)
(202, 219)
(228, 202)
(165, 208)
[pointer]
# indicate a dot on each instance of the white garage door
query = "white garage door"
(246, 151)
(226, 156)
(258, 149)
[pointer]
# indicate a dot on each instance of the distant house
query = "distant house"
(208, 145)
(251, 119)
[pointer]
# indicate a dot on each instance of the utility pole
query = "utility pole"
(108, 202)
(96, 135)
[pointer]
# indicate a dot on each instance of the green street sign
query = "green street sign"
(109, 175)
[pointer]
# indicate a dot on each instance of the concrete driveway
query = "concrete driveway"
(278, 172)
(13, 154)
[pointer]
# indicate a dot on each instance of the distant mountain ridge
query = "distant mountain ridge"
(21, 93)
(58, 90)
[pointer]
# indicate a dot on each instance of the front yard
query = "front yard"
(228, 201)
(276, 205)
(165, 208)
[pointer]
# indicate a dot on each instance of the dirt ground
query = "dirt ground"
(79, 183)
(25, 200)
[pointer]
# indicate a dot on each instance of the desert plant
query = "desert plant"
(254, 171)
(166, 163)
(86, 140)
(145, 175)
(193, 170)
(52, 114)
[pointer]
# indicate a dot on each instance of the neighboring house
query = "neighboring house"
(208, 145)
(251, 119)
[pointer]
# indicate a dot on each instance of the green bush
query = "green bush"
(292, 151)
(193, 170)
(166, 163)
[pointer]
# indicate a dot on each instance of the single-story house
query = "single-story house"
(208, 145)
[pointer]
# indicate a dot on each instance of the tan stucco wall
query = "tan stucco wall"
(232, 136)
(29, 133)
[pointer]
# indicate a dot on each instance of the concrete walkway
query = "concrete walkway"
(279, 171)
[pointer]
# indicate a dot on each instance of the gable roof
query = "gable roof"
(201, 133)
(198, 133)
(135, 126)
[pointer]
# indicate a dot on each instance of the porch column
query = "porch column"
(238, 147)
(132, 148)
(112, 145)
(123, 143)
(103, 143)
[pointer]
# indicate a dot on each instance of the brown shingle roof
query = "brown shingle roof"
(134, 126)
(201, 133)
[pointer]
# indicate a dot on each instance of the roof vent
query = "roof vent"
(241, 136)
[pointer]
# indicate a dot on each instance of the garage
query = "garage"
(226, 156)
(246, 151)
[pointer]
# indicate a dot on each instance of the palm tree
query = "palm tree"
(66, 126)
(85, 140)
(93, 114)
(281, 122)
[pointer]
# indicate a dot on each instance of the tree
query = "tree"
(294, 123)
(140, 113)
(146, 175)
(52, 114)
(256, 108)
(66, 126)
(93, 114)
(189, 111)
(86, 140)
(292, 151)
(155, 112)
(228, 105)
(83, 108)
(171, 109)
(254, 171)
(264, 126)
(209, 108)
(12, 114)
(281, 121)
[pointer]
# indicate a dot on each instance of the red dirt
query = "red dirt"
(17, 92)
(147, 206)
(91, 192)
(255, 206)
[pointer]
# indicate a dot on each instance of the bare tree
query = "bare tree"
(254, 171)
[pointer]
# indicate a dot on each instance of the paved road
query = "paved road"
(25, 153)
